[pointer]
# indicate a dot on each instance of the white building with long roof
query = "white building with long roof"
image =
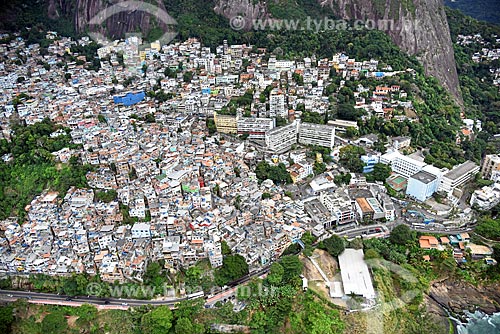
(355, 274)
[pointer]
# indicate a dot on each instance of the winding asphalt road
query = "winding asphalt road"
(55, 299)
(11, 295)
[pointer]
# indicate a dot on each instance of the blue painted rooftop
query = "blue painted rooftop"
(129, 99)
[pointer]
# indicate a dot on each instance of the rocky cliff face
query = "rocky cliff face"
(128, 18)
(249, 9)
(458, 296)
(419, 27)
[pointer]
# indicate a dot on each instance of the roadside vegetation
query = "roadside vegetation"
(32, 168)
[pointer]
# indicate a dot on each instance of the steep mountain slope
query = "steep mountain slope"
(129, 19)
(248, 8)
(419, 27)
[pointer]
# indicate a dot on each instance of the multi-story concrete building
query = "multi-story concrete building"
(486, 197)
(214, 253)
(364, 210)
(491, 164)
(458, 176)
(256, 128)
(226, 123)
(370, 161)
(342, 125)
(388, 205)
(401, 142)
(277, 104)
(406, 166)
(369, 209)
(281, 139)
(141, 230)
(341, 208)
(300, 170)
(170, 250)
(316, 134)
(422, 185)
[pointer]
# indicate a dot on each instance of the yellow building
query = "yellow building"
(156, 46)
(319, 158)
(226, 123)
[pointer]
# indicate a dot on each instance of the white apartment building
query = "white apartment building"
(281, 65)
(406, 166)
(300, 170)
(256, 128)
(277, 104)
(281, 139)
(342, 125)
(458, 176)
(316, 134)
(486, 197)
(491, 164)
(341, 208)
(141, 230)
(137, 207)
(214, 253)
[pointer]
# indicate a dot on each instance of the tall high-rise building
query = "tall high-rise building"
(281, 139)
(491, 164)
(277, 104)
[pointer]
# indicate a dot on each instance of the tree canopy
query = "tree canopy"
(233, 267)
(402, 234)
(350, 158)
(292, 267)
(278, 174)
(489, 228)
(380, 173)
(334, 245)
(34, 168)
(157, 321)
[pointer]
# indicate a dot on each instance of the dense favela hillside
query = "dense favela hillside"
(420, 27)
(286, 181)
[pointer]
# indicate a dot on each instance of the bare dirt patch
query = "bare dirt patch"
(40, 315)
(310, 272)
(72, 320)
(316, 282)
(326, 262)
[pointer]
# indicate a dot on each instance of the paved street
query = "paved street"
(120, 303)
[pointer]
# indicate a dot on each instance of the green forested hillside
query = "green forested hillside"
(33, 167)
(481, 97)
(484, 10)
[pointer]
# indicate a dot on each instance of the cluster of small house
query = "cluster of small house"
(489, 52)
(461, 246)
(179, 191)
(179, 218)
